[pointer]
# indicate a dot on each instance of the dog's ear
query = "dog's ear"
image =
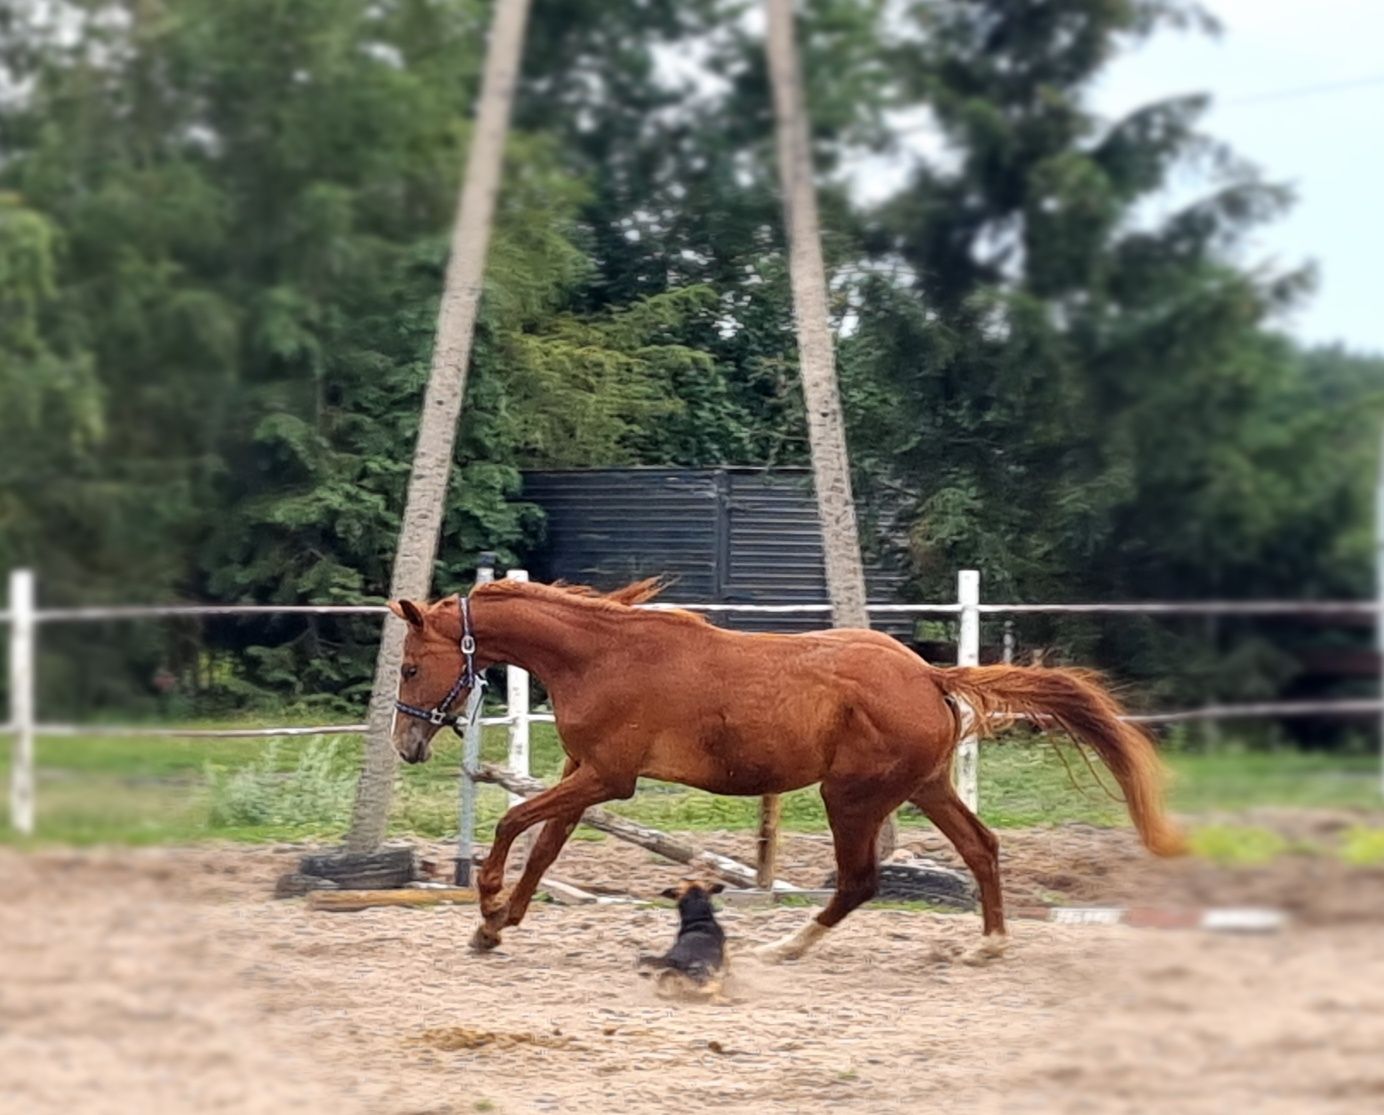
(716, 888)
(670, 892)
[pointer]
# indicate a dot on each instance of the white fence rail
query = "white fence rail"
(25, 620)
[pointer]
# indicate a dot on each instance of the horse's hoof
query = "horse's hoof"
(484, 939)
(990, 949)
(794, 946)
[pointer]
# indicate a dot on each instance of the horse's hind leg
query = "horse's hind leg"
(855, 819)
(978, 847)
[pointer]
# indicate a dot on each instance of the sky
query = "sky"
(1298, 88)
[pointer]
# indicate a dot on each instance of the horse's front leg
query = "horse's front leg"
(569, 797)
(551, 838)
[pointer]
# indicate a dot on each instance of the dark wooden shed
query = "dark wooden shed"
(729, 535)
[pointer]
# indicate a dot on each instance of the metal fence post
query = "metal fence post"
(470, 757)
(966, 772)
(517, 710)
(22, 630)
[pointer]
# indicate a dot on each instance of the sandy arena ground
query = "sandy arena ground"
(169, 981)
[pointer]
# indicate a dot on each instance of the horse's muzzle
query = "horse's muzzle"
(413, 741)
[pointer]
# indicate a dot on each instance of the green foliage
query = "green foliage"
(315, 795)
(220, 279)
(1077, 397)
(223, 232)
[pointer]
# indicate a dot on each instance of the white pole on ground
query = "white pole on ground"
(1379, 591)
(470, 758)
(1009, 642)
(966, 772)
(517, 702)
(22, 700)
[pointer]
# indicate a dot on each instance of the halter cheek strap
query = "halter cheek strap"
(441, 714)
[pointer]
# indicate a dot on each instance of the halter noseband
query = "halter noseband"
(439, 714)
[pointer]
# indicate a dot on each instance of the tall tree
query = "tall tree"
(816, 355)
(432, 457)
(1071, 391)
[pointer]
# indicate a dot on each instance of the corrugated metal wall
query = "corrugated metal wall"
(735, 536)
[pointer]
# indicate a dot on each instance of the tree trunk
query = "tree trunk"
(807, 273)
(432, 456)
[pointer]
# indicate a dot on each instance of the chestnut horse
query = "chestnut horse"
(662, 693)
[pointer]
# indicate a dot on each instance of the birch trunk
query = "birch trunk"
(432, 456)
(816, 356)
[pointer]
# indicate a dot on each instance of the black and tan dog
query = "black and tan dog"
(696, 965)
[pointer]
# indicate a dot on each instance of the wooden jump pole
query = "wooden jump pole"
(670, 847)
(766, 845)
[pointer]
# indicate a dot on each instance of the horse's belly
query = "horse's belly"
(735, 777)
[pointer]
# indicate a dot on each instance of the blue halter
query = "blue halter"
(440, 713)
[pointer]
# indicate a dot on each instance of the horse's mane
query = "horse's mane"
(636, 592)
(620, 599)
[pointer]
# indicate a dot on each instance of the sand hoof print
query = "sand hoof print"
(989, 950)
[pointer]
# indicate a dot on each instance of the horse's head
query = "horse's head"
(432, 665)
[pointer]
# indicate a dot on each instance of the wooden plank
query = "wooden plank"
(349, 901)
(679, 851)
(566, 893)
(767, 841)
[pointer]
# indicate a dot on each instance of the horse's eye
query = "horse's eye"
(409, 671)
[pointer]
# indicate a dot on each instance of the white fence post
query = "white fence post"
(470, 757)
(966, 772)
(22, 700)
(517, 708)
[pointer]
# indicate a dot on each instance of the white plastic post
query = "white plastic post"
(966, 771)
(470, 758)
(22, 700)
(1008, 642)
(517, 708)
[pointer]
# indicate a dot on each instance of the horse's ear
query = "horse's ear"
(716, 888)
(407, 611)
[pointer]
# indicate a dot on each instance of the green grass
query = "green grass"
(1364, 847)
(151, 790)
(1238, 845)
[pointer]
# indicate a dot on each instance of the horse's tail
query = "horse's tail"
(1079, 703)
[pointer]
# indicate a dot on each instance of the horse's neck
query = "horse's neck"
(550, 639)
